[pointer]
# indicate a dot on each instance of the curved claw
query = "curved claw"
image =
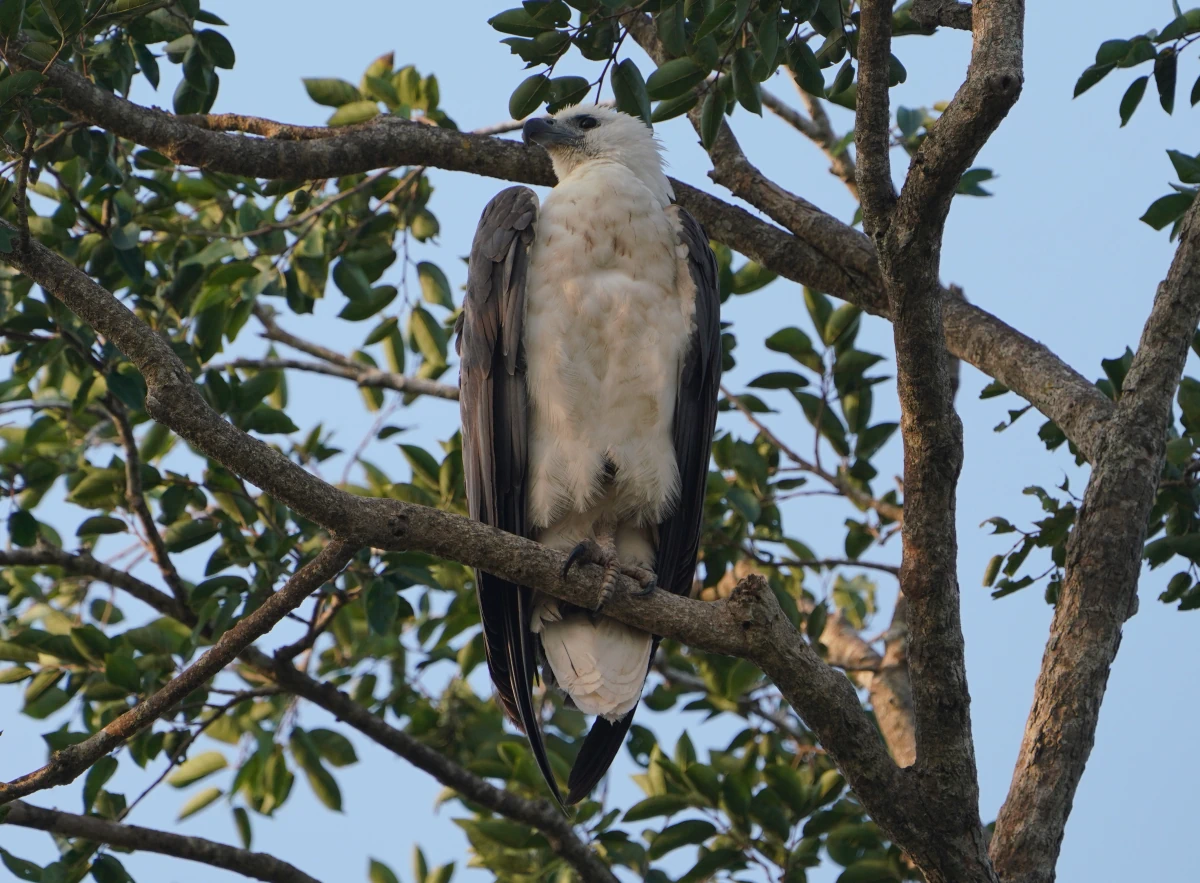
(648, 587)
(585, 551)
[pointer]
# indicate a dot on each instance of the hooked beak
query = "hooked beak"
(547, 132)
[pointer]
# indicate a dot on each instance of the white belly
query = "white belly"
(605, 333)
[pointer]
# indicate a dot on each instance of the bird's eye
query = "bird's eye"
(588, 122)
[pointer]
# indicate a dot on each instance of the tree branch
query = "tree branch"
(86, 565)
(255, 865)
(69, 763)
(908, 235)
(942, 13)
(136, 500)
(363, 375)
(824, 254)
(1099, 590)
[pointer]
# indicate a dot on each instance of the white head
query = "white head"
(588, 133)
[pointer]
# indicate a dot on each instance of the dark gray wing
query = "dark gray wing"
(495, 419)
(695, 416)
(678, 536)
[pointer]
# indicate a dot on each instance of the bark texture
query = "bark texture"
(1099, 591)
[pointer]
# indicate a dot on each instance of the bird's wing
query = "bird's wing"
(495, 423)
(692, 430)
(695, 415)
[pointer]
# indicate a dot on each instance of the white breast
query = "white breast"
(605, 332)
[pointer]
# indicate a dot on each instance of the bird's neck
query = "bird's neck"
(649, 174)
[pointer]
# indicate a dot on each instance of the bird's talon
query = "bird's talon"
(587, 552)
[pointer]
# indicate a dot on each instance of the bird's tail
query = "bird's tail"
(601, 663)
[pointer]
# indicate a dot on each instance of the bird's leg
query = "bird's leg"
(603, 553)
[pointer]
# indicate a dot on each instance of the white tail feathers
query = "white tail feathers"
(601, 665)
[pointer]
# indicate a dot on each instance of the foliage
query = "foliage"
(199, 255)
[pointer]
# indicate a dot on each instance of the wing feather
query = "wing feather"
(494, 406)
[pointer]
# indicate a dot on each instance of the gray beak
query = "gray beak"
(547, 132)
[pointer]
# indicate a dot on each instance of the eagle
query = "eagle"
(590, 358)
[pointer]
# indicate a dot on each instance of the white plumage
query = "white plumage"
(609, 313)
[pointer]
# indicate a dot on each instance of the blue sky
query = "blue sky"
(1057, 251)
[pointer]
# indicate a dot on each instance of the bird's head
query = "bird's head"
(588, 133)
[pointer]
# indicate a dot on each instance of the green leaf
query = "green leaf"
(1133, 97)
(18, 84)
(1112, 51)
(22, 528)
(242, 820)
(122, 671)
(1168, 209)
(376, 299)
(804, 65)
(778, 380)
(630, 90)
(968, 184)
(1091, 77)
(383, 605)
(101, 524)
(331, 92)
(719, 15)
(106, 869)
(528, 96)
(12, 12)
(323, 784)
(435, 287)
(745, 86)
(353, 113)
(66, 15)
(750, 277)
(680, 834)
(20, 868)
(198, 801)
(196, 768)
(842, 80)
(1186, 167)
(1166, 68)
(217, 48)
(517, 21)
(668, 110)
(267, 420)
(712, 115)
(333, 747)
(101, 771)
(815, 623)
(659, 805)
(378, 872)
(675, 78)
(566, 91)
(670, 24)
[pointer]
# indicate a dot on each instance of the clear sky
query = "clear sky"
(1058, 252)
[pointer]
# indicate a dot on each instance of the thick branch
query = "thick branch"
(1099, 590)
(69, 763)
(254, 865)
(824, 254)
(872, 119)
(908, 235)
(941, 13)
